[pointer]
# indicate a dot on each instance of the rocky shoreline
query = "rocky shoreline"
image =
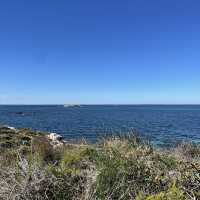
(12, 136)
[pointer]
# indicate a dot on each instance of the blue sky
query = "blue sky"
(108, 51)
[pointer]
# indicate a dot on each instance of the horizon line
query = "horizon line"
(107, 104)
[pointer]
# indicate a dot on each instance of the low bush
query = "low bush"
(117, 168)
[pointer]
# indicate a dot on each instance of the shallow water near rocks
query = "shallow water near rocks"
(162, 124)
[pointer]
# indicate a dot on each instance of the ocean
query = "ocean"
(161, 124)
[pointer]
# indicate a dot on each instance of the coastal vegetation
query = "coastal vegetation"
(33, 166)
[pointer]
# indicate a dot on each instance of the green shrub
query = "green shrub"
(173, 193)
(119, 168)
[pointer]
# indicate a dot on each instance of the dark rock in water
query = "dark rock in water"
(19, 113)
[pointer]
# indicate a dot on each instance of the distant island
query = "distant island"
(71, 105)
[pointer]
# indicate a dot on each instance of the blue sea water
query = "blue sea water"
(162, 124)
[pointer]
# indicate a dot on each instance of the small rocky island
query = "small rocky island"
(72, 105)
(37, 165)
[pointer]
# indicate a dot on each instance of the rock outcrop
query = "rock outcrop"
(12, 137)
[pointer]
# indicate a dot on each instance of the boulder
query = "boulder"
(55, 137)
(56, 140)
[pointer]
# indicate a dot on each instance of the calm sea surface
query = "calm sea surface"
(161, 124)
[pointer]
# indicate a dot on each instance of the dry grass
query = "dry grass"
(117, 168)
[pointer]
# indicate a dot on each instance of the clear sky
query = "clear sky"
(99, 51)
